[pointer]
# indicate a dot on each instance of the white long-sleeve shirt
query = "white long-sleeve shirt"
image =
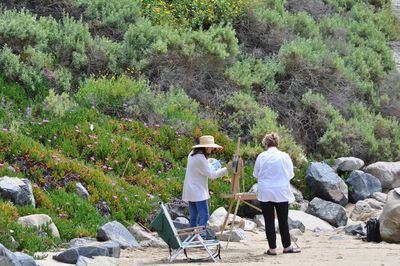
(198, 171)
(273, 170)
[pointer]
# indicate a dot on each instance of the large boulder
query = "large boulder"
(326, 183)
(217, 218)
(7, 258)
(348, 164)
(309, 221)
(39, 221)
(390, 218)
(366, 209)
(71, 255)
(363, 185)
(387, 172)
(19, 191)
(115, 231)
(25, 259)
(328, 211)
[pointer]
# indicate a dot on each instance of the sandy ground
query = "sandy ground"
(322, 248)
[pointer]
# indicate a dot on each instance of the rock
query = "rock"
(182, 220)
(237, 235)
(112, 247)
(363, 185)
(389, 220)
(177, 208)
(354, 229)
(295, 232)
(259, 220)
(38, 221)
(348, 164)
(249, 225)
(81, 191)
(118, 233)
(216, 220)
(326, 183)
(12, 169)
(366, 209)
(145, 238)
(25, 259)
(296, 224)
(97, 261)
(85, 241)
(103, 209)
(387, 172)
(71, 255)
(379, 196)
(297, 194)
(19, 191)
(7, 258)
(331, 212)
(310, 222)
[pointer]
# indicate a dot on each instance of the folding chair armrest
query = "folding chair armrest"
(191, 233)
(190, 228)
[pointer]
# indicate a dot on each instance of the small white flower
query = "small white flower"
(91, 127)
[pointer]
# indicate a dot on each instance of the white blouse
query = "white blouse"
(273, 170)
(195, 187)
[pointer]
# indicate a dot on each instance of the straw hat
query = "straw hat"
(206, 142)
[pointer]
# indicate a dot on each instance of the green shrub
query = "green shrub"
(109, 95)
(195, 14)
(254, 74)
(58, 105)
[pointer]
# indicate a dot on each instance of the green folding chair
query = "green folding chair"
(165, 228)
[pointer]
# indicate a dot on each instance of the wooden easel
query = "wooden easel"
(236, 195)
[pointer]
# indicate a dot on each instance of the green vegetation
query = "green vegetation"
(114, 93)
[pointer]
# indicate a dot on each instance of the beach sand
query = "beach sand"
(318, 248)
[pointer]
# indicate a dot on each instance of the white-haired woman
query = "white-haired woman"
(273, 170)
(195, 187)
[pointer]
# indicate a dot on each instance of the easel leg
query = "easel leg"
(226, 217)
(233, 221)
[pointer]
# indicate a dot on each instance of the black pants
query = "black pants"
(282, 211)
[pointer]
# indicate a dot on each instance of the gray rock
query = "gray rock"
(145, 238)
(97, 261)
(237, 235)
(366, 209)
(347, 164)
(71, 255)
(7, 258)
(182, 220)
(387, 172)
(363, 185)
(259, 220)
(296, 224)
(390, 219)
(81, 191)
(331, 212)
(177, 208)
(354, 229)
(118, 233)
(113, 247)
(326, 183)
(19, 191)
(25, 259)
(297, 194)
(379, 196)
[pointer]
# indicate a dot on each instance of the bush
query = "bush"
(195, 14)
(109, 95)
(255, 75)
(58, 105)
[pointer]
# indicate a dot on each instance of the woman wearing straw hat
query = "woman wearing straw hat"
(273, 170)
(195, 187)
